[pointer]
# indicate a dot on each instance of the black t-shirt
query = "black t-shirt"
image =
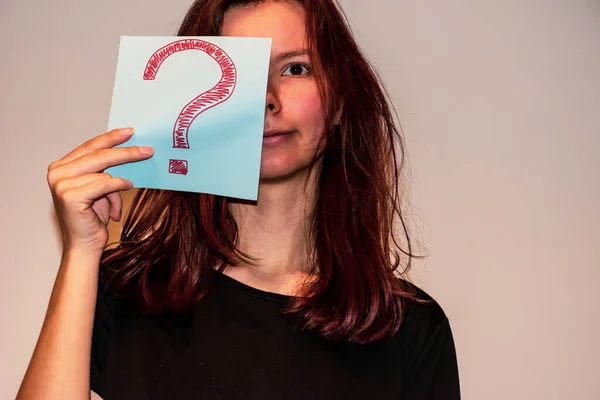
(239, 345)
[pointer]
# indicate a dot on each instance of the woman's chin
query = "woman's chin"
(275, 169)
(269, 175)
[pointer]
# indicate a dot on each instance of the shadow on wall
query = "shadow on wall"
(114, 228)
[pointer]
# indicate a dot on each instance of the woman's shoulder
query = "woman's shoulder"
(424, 320)
(423, 307)
(428, 353)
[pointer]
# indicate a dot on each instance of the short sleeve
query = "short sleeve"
(103, 318)
(436, 374)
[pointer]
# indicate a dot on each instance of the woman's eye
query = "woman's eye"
(296, 69)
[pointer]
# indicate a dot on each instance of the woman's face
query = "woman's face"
(294, 120)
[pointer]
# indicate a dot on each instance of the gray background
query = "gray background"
(499, 101)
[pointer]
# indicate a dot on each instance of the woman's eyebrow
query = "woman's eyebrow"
(290, 54)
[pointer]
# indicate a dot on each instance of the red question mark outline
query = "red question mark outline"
(212, 97)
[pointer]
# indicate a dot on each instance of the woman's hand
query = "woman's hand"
(85, 197)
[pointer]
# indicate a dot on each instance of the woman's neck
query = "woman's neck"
(275, 231)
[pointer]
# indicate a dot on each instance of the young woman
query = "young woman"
(301, 295)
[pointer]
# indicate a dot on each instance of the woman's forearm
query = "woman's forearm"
(60, 365)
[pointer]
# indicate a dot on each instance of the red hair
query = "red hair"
(171, 240)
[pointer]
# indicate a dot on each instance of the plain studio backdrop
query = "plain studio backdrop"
(500, 104)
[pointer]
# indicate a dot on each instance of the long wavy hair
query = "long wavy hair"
(171, 240)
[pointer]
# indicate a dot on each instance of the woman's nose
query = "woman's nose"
(273, 104)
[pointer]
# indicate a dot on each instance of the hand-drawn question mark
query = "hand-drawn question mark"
(212, 97)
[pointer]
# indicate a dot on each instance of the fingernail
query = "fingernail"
(127, 131)
(146, 150)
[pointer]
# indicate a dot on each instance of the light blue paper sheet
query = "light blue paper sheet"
(215, 138)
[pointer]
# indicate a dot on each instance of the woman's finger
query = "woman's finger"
(116, 204)
(106, 140)
(86, 195)
(98, 161)
(66, 184)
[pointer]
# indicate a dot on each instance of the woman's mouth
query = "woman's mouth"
(272, 137)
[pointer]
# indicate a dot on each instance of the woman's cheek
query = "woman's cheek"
(310, 113)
